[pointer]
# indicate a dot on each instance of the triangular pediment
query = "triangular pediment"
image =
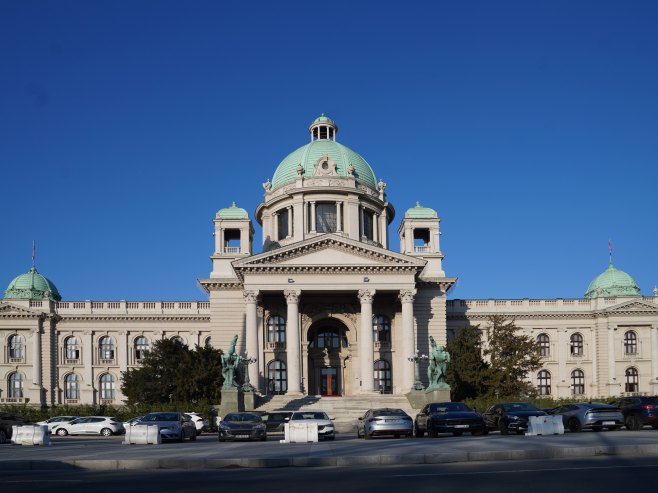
(329, 250)
(635, 305)
(11, 310)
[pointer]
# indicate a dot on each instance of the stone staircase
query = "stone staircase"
(345, 410)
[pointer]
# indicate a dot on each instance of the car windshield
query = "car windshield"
(388, 412)
(518, 406)
(448, 407)
(242, 417)
(161, 417)
(309, 415)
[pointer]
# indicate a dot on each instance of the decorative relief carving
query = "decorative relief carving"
(325, 166)
(251, 296)
(407, 295)
(292, 296)
(366, 295)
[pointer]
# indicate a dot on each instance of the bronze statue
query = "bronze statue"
(230, 362)
(438, 363)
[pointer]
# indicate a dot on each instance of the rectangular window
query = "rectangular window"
(367, 230)
(282, 225)
(325, 217)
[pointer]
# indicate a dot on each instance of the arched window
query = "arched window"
(577, 382)
(71, 386)
(630, 342)
(106, 348)
(544, 382)
(107, 386)
(328, 339)
(632, 380)
(277, 377)
(16, 346)
(381, 328)
(72, 348)
(576, 344)
(142, 347)
(383, 379)
(544, 344)
(276, 329)
(208, 341)
(15, 385)
(179, 340)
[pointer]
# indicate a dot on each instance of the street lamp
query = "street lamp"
(246, 361)
(417, 358)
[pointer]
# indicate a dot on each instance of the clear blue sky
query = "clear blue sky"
(531, 127)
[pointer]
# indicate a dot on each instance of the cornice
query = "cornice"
(221, 285)
(138, 318)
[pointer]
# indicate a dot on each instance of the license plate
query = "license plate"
(461, 426)
(241, 436)
(394, 421)
(609, 423)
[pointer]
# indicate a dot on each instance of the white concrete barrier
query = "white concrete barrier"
(30, 435)
(545, 425)
(142, 435)
(300, 432)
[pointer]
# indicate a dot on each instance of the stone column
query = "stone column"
(339, 217)
(293, 342)
(366, 343)
(289, 232)
(383, 228)
(654, 353)
(123, 349)
(312, 216)
(275, 226)
(408, 344)
(612, 370)
(375, 232)
(251, 322)
(88, 350)
(36, 359)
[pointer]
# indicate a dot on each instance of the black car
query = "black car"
(242, 426)
(509, 417)
(639, 411)
(7, 420)
(448, 417)
(275, 420)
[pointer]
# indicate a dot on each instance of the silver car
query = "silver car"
(56, 420)
(326, 429)
(384, 421)
(171, 424)
(90, 425)
(589, 415)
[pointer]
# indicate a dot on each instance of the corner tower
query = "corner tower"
(419, 237)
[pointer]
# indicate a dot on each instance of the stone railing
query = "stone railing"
(132, 307)
(532, 305)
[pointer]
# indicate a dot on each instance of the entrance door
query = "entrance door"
(329, 381)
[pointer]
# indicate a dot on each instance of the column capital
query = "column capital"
(292, 295)
(251, 296)
(366, 295)
(407, 295)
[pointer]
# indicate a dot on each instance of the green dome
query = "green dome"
(32, 285)
(233, 212)
(307, 156)
(420, 212)
(613, 282)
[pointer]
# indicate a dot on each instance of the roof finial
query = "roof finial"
(34, 251)
(610, 248)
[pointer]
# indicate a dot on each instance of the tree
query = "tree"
(512, 356)
(467, 372)
(171, 372)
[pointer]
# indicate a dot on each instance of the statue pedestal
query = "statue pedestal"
(232, 401)
(249, 400)
(419, 398)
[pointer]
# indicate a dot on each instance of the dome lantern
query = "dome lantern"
(323, 128)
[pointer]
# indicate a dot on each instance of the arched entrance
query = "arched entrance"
(328, 349)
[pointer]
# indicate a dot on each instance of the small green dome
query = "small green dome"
(32, 285)
(233, 212)
(308, 155)
(613, 282)
(420, 212)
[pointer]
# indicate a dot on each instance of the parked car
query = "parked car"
(7, 420)
(509, 417)
(55, 420)
(384, 421)
(131, 421)
(200, 421)
(171, 424)
(639, 411)
(326, 429)
(242, 426)
(588, 415)
(90, 425)
(448, 417)
(275, 421)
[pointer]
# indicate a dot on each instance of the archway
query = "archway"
(328, 349)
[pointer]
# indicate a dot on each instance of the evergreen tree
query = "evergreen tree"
(467, 371)
(512, 356)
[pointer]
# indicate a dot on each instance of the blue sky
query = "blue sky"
(531, 127)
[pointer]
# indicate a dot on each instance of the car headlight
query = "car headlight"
(513, 418)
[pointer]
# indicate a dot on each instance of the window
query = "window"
(179, 340)
(16, 347)
(15, 385)
(544, 345)
(544, 382)
(328, 339)
(276, 329)
(208, 341)
(325, 217)
(142, 347)
(72, 348)
(367, 230)
(630, 342)
(382, 374)
(577, 382)
(277, 378)
(283, 221)
(381, 328)
(632, 380)
(106, 347)
(107, 386)
(71, 386)
(576, 344)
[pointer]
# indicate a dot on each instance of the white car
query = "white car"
(56, 420)
(132, 421)
(91, 425)
(326, 429)
(200, 422)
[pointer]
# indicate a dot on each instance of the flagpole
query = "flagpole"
(34, 251)
(610, 248)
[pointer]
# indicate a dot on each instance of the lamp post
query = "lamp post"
(416, 359)
(246, 361)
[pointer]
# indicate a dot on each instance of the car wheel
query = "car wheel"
(198, 432)
(61, 432)
(633, 424)
(193, 437)
(574, 425)
(431, 432)
(502, 427)
(221, 439)
(358, 433)
(106, 432)
(3, 436)
(419, 433)
(366, 435)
